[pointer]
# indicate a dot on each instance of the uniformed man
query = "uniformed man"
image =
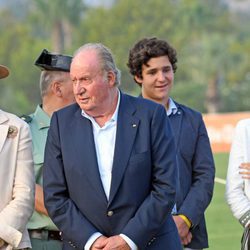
(56, 93)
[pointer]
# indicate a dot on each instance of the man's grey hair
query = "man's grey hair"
(106, 58)
(47, 77)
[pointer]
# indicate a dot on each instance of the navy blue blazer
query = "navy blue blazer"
(143, 177)
(196, 170)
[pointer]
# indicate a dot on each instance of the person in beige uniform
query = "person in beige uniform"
(16, 179)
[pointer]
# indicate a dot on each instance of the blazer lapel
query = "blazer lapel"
(85, 151)
(176, 124)
(127, 126)
(3, 129)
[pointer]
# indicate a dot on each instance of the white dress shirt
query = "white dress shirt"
(172, 110)
(105, 145)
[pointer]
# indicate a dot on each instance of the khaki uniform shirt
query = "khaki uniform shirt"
(39, 125)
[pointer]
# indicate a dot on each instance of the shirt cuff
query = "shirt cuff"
(245, 219)
(174, 210)
(91, 240)
(131, 244)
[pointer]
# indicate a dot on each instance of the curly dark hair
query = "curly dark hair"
(147, 48)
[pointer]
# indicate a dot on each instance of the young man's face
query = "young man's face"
(157, 79)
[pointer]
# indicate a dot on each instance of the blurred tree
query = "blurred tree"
(59, 17)
(121, 25)
(25, 34)
(203, 55)
(20, 90)
(203, 32)
(212, 42)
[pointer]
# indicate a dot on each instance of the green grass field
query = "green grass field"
(224, 230)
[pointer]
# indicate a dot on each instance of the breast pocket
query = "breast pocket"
(38, 165)
(138, 172)
(139, 158)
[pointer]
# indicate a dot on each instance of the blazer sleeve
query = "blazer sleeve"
(235, 185)
(61, 208)
(158, 205)
(14, 217)
(203, 172)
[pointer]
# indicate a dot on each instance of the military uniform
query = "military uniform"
(43, 232)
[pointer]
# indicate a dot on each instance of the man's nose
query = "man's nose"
(161, 76)
(79, 89)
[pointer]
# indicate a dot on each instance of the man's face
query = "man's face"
(157, 79)
(90, 86)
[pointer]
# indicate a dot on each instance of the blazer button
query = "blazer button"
(110, 213)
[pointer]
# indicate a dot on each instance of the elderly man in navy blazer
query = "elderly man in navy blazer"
(110, 166)
(152, 62)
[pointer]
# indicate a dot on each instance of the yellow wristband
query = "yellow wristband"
(188, 222)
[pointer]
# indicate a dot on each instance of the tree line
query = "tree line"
(212, 42)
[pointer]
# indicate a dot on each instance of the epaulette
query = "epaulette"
(26, 118)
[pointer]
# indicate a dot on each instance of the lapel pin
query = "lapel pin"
(133, 125)
(12, 131)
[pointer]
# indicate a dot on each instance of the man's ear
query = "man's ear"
(138, 79)
(111, 78)
(57, 89)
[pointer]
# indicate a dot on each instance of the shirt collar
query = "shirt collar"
(172, 108)
(42, 118)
